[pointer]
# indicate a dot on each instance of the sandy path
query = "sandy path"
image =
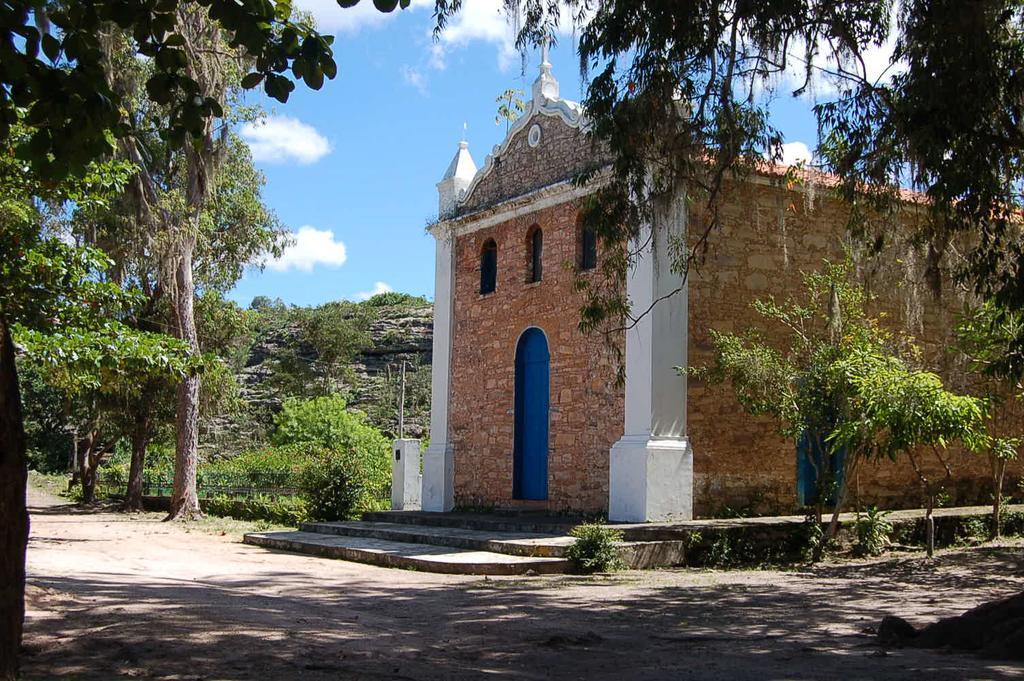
(114, 597)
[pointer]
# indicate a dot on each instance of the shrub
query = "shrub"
(325, 421)
(392, 298)
(339, 485)
(279, 510)
(972, 528)
(594, 549)
(1013, 522)
(873, 530)
(324, 424)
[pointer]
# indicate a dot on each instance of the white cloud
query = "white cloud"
(277, 139)
(486, 21)
(311, 247)
(415, 78)
(479, 20)
(378, 288)
(330, 18)
(794, 153)
(878, 66)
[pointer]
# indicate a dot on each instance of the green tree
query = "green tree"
(319, 345)
(192, 220)
(510, 107)
(338, 331)
(55, 76)
(324, 424)
(45, 285)
(98, 371)
(841, 379)
(986, 336)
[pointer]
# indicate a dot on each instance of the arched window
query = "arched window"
(534, 254)
(488, 267)
(588, 248)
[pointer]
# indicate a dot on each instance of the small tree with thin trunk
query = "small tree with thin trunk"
(894, 409)
(986, 336)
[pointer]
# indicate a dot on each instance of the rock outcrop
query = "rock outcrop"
(398, 333)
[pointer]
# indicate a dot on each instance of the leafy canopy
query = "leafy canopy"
(53, 68)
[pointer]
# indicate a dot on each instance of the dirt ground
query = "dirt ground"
(115, 596)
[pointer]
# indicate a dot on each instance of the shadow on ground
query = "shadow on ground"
(806, 624)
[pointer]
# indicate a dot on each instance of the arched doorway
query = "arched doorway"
(530, 456)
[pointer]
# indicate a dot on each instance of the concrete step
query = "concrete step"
(528, 544)
(637, 555)
(426, 557)
(520, 522)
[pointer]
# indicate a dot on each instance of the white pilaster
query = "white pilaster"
(438, 460)
(651, 467)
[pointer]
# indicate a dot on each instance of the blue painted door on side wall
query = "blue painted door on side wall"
(806, 476)
(530, 458)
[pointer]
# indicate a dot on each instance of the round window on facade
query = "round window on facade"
(533, 137)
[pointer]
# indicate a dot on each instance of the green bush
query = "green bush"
(326, 421)
(594, 549)
(1013, 523)
(324, 424)
(973, 528)
(338, 485)
(873, 530)
(279, 510)
(392, 298)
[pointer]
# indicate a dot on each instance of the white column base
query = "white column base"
(439, 477)
(651, 479)
(406, 480)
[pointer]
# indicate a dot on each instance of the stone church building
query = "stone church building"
(526, 409)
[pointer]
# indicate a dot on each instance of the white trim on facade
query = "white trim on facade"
(439, 459)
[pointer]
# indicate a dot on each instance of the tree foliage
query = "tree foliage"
(986, 337)
(350, 460)
(680, 95)
(54, 69)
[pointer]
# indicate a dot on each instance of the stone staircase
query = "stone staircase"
(452, 543)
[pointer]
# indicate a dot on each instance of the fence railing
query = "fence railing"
(237, 485)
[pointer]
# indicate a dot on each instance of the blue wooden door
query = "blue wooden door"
(530, 456)
(806, 476)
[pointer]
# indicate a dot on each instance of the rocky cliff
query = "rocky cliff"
(398, 334)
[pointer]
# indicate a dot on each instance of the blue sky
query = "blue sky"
(351, 169)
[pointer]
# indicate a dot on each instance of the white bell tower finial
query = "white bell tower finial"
(456, 180)
(545, 45)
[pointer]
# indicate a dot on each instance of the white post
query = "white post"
(401, 406)
(651, 467)
(438, 461)
(405, 474)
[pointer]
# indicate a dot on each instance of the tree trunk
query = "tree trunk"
(13, 509)
(202, 157)
(998, 471)
(140, 441)
(86, 470)
(929, 525)
(833, 525)
(184, 498)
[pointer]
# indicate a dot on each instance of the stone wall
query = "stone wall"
(770, 235)
(586, 406)
(562, 153)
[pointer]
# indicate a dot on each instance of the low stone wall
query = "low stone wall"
(781, 540)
